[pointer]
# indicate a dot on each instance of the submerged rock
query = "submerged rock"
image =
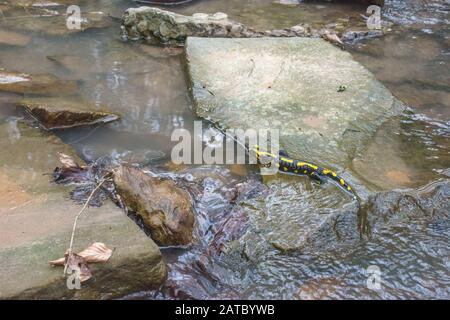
(409, 209)
(36, 3)
(232, 229)
(56, 24)
(14, 38)
(36, 220)
(166, 210)
(351, 36)
(58, 113)
(406, 152)
(68, 62)
(288, 246)
(38, 84)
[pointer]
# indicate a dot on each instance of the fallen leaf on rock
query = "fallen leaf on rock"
(67, 161)
(70, 171)
(78, 264)
(97, 252)
(333, 38)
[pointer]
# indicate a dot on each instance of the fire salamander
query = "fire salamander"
(288, 165)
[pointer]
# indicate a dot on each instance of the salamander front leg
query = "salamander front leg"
(283, 153)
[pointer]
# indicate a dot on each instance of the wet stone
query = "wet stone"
(58, 113)
(11, 38)
(166, 210)
(290, 84)
(36, 219)
(409, 209)
(404, 154)
(36, 84)
(145, 22)
(350, 36)
(70, 63)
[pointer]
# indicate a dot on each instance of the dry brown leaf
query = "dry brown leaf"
(95, 253)
(58, 262)
(333, 38)
(79, 265)
(67, 161)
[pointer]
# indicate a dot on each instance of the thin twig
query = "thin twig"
(86, 204)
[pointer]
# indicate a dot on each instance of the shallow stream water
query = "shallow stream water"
(145, 83)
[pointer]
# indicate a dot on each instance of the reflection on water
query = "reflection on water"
(407, 152)
(266, 254)
(270, 14)
(144, 84)
(414, 65)
(413, 60)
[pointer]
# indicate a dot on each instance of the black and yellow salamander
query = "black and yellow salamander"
(288, 165)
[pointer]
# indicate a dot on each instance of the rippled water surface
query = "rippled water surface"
(265, 255)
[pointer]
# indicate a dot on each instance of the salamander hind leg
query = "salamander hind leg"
(316, 177)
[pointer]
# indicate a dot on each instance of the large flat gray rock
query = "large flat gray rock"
(291, 84)
(36, 218)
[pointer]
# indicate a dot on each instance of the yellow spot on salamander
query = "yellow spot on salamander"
(334, 174)
(300, 164)
(326, 171)
(286, 160)
(342, 181)
(349, 189)
(278, 165)
(285, 169)
(295, 171)
(304, 171)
